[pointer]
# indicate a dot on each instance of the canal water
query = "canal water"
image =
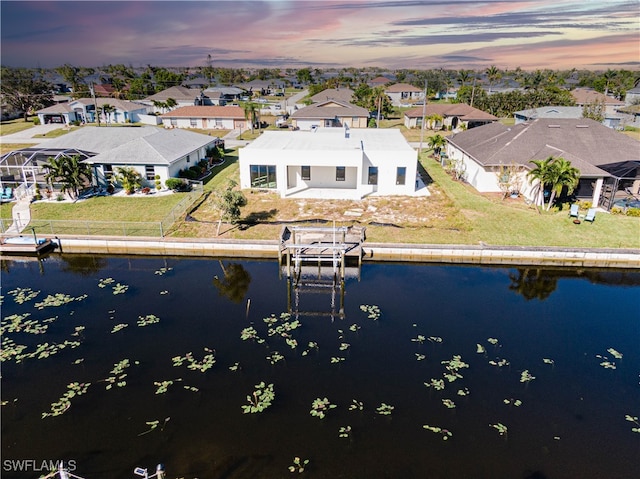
(516, 372)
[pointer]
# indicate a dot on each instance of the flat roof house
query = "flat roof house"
(331, 163)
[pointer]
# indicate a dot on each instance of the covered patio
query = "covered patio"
(23, 169)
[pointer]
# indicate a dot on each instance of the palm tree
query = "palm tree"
(70, 171)
(436, 142)
(106, 111)
(170, 103)
(557, 173)
(464, 76)
(541, 173)
(250, 113)
(562, 175)
(493, 73)
(129, 178)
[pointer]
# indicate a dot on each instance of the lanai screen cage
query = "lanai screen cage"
(25, 168)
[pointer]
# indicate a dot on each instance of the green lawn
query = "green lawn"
(14, 126)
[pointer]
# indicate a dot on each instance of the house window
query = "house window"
(373, 175)
(174, 122)
(401, 175)
(306, 172)
(193, 122)
(340, 173)
(108, 172)
(188, 158)
(150, 172)
(263, 176)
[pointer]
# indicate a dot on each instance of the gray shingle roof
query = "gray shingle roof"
(589, 145)
(330, 109)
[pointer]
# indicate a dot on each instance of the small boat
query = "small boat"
(26, 245)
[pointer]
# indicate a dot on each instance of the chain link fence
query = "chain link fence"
(113, 228)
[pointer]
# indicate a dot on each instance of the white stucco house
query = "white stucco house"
(150, 150)
(84, 111)
(330, 114)
(402, 94)
(332, 163)
(609, 161)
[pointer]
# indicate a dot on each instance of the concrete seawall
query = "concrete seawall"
(465, 254)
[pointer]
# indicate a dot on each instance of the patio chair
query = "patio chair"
(574, 211)
(7, 193)
(591, 215)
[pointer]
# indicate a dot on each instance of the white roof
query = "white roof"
(332, 139)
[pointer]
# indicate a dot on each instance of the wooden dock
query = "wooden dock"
(325, 246)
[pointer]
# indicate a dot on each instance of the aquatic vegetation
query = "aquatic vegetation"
(480, 349)
(501, 428)
(260, 399)
(103, 283)
(63, 404)
(446, 434)
(118, 327)
(78, 330)
(337, 359)
(500, 362)
(448, 403)
(385, 409)
(513, 402)
(292, 343)
(298, 465)
(78, 361)
(614, 353)
(344, 346)
(437, 384)
(42, 351)
(18, 323)
(453, 366)
(251, 334)
(275, 357)
(203, 365)
(235, 367)
(154, 424)
(22, 295)
(373, 311)
(147, 320)
(420, 357)
(435, 339)
(526, 376)
(120, 288)
(634, 420)
(320, 407)
(548, 361)
(191, 388)
(118, 375)
(58, 299)
(311, 345)
(419, 339)
(163, 292)
(463, 392)
(162, 271)
(344, 431)
(281, 325)
(163, 386)
(356, 405)
(354, 327)
(493, 341)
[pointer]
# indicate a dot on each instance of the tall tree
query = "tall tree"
(21, 91)
(493, 74)
(70, 171)
(129, 178)
(229, 201)
(106, 112)
(235, 283)
(563, 175)
(250, 113)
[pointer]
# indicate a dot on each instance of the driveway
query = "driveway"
(30, 135)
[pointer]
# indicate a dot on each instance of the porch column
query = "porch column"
(596, 192)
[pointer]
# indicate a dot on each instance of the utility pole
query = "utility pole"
(424, 114)
(95, 103)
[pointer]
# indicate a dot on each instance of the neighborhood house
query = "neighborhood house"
(330, 113)
(609, 161)
(206, 118)
(332, 163)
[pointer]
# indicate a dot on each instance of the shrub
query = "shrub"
(174, 183)
(633, 212)
(616, 210)
(146, 190)
(584, 205)
(36, 120)
(158, 185)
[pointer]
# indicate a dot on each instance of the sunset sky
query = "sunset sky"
(392, 34)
